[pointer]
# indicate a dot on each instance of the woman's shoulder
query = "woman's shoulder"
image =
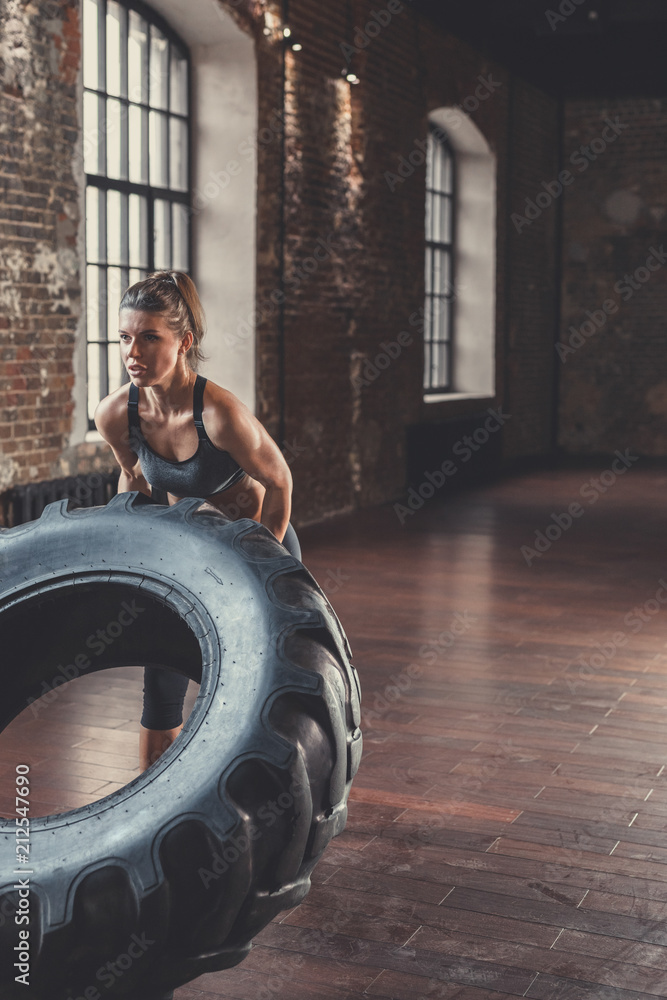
(224, 413)
(111, 412)
(223, 401)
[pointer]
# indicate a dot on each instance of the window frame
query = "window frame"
(438, 140)
(125, 187)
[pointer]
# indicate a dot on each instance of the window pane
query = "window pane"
(430, 154)
(95, 223)
(115, 289)
(437, 273)
(178, 154)
(94, 382)
(437, 219)
(447, 172)
(158, 149)
(159, 69)
(137, 59)
(93, 133)
(115, 366)
(93, 303)
(117, 228)
(91, 60)
(443, 318)
(441, 374)
(178, 98)
(428, 270)
(138, 144)
(115, 165)
(114, 68)
(138, 231)
(427, 365)
(445, 284)
(428, 318)
(429, 216)
(180, 237)
(136, 275)
(437, 166)
(161, 234)
(445, 219)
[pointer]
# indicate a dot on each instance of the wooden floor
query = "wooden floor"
(507, 834)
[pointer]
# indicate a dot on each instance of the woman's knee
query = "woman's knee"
(164, 694)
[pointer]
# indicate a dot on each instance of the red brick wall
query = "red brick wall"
(40, 296)
(353, 247)
(613, 374)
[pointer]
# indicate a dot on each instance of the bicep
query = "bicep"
(251, 445)
(118, 438)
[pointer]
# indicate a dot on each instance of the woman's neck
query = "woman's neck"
(173, 394)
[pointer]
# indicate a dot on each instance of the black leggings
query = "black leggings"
(164, 690)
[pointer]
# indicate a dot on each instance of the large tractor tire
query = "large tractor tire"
(173, 875)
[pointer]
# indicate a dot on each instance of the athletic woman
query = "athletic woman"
(176, 434)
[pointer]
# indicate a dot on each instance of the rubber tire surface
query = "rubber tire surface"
(177, 871)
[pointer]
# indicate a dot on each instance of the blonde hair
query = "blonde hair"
(174, 294)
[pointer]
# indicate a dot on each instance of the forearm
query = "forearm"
(276, 508)
(128, 483)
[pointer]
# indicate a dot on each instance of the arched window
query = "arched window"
(440, 218)
(136, 161)
(460, 307)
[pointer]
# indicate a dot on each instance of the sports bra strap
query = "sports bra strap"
(133, 406)
(198, 405)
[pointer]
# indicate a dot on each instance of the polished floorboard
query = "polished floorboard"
(507, 831)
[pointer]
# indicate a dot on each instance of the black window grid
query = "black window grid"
(150, 193)
(441, 199)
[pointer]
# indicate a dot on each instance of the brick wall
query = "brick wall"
(40, 293)
(613, 357)
(353, 248)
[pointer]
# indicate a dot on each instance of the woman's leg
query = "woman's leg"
(291, 542)
(164, 693)
(162, 717)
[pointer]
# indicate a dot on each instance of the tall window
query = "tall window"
(439, 305)
(136, 161)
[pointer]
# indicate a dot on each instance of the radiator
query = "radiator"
(25, 503)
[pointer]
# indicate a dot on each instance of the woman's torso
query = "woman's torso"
(209, 472)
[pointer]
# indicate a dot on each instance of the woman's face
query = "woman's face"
(149, 348)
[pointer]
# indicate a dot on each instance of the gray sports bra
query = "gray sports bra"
(208, 471)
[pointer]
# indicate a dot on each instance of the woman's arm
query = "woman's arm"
(232, 427)
(111, 421)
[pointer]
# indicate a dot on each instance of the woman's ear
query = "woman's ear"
(187, 340)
